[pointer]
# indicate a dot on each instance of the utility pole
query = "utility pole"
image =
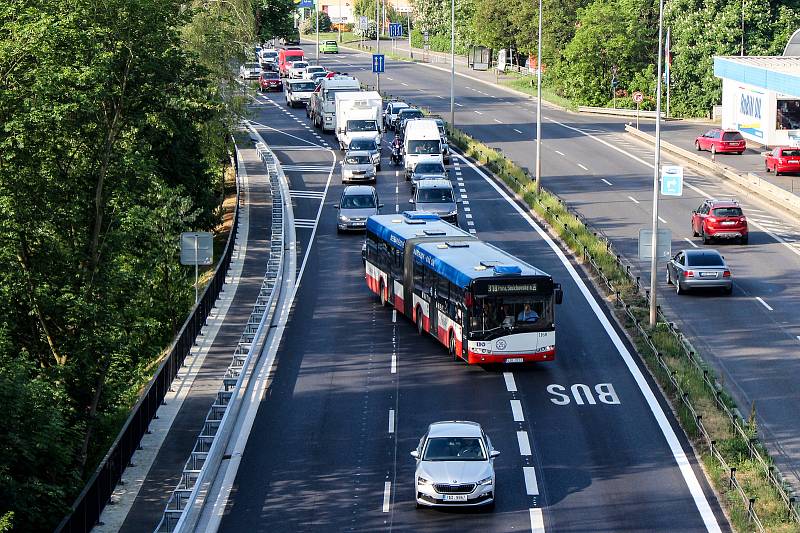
(410, 52)
(539, 103)
(316, 14)
(378, 42)
(741, 49)
(656, 174)
(452, 63)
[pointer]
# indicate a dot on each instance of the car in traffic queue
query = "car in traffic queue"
(297, 69)
(403, 116)
(356, 205)
(436, 196)
(298, 92)
(721, 141)
(368, 145)
(329, 47)
(357, 165)
(269, 81)
(454, 466)
(249, 71)
(720, 219)
(312, 69)
(699, 269)
(390, 113)
(286, 56)
(432, 169)
(782, 160)
(268, 55)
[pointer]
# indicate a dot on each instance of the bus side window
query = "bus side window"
(397, 265)
(442, 289)
(383, 256)
(419, 272)
(428, 281)
(456, 296)
(371, 247)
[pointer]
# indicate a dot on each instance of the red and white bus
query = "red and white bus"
(484, 304)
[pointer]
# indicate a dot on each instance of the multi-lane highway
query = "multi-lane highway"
(586, 442)
(753, 337)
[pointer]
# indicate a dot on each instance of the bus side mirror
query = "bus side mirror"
(559, 294)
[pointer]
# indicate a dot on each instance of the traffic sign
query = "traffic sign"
(671, 180)
(395, 29)
(638, 97)
(377, 63)
(425, 36)
(363, 22)
(197, 248)
(663, 244)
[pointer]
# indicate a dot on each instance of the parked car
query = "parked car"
(699, 269)
(250, 71)
(718, 140)
(428, 170)
(269, 81)
(357, 165)
(720, 219)
(369, 146)
(329, 47)
(455, 466)
(436, 196)
(403, 117)
(313, 69)
(782, 159)
(357, 203)
(298, 92)
(391, 111)
(297, 69)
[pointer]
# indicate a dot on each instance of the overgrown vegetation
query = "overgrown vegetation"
(114, 120)
(666, 354)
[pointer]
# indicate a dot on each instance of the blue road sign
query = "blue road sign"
(395, 29)
(377, 63)
(671, 180)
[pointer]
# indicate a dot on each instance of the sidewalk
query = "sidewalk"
(134, 511)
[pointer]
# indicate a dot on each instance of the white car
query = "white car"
(250, 71)
(298, 92)
(311, 70)
(455, 466)
(297, 69)
(269, 55)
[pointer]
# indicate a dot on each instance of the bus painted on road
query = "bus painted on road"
(483, 304)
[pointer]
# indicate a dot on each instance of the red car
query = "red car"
(269, 81)
(783, 159)
(720, 219)
(721, 141)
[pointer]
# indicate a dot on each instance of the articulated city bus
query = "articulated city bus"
(484, 304)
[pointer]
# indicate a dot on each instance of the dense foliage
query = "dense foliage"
(274, 19)
(584, 41)
(309, 25)
(114, 117)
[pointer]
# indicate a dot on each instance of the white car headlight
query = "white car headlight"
(343, 218)
(422, 481)
(485, 481)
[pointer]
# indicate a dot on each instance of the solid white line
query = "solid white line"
(393, 370)
(560, 153)
(537, 520)
(703, 507)
(391, 420)
(765, 304)
(387, 492)
(634, 200)
(515, 129)
(662, 220)
(583, 167)
(403, 83)
(690, 241)
(605, 181)
(511, 385)
(478, 112)
(524, 443)
(498, 121)
(394, 315)
(516, 411)
(531, 486)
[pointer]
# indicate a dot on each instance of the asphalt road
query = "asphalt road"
(324, 454)
(752, 337)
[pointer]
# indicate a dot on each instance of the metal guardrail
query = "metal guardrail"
(203, 464)
(87, 507)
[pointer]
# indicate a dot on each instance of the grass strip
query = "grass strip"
(737, 465)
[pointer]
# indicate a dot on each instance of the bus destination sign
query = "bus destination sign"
(493, 288)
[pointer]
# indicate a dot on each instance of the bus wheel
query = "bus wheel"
(383, 295)
(420, 326)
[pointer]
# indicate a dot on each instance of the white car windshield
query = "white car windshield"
(359, 201)
(454, 449)
(429, 168)
(434, 196)
(299, 64)
(357, 159)
(305, 87)
(363, 144)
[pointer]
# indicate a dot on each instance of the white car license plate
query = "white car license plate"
(455, 497)
(728, 223)
(793, 161)
(514, 360)
(708, 274)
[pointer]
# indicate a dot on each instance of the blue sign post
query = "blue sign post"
(377, 63)
(671, 180)
(395, 30)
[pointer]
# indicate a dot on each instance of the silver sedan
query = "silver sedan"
(698, 269)
(455, 466)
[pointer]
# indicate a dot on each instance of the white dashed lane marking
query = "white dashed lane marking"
(524, 443)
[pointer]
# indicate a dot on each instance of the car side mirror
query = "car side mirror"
(558, 294)
(411, 201)
(415, 454)
(336, 206)
(494, 453)
(380, 206)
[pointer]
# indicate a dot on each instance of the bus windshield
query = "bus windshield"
(505, 314)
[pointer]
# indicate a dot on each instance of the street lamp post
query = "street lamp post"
(452, 63)
(316, 14)
(410, 51)
(656, 173)
(378, 42)
(539, 103)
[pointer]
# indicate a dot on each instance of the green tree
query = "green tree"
(274, 18)
(310, 25)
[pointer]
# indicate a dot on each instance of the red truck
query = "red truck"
(288, 55)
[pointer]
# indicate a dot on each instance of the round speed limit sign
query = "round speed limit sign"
(638, 97)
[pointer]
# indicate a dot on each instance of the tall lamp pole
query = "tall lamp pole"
(656, 173)
(378, 42)
(410, 51)
(452, 63)
(316, 14)
(539, 103)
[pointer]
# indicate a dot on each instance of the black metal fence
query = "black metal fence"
(85, 511)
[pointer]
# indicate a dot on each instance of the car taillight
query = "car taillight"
(726, 274)
(712, 219)
(688, 274)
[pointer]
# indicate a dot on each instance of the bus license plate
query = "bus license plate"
(514, 360)
(455, 497)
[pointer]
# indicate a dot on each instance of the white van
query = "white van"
(421, 142)
(358, 116)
